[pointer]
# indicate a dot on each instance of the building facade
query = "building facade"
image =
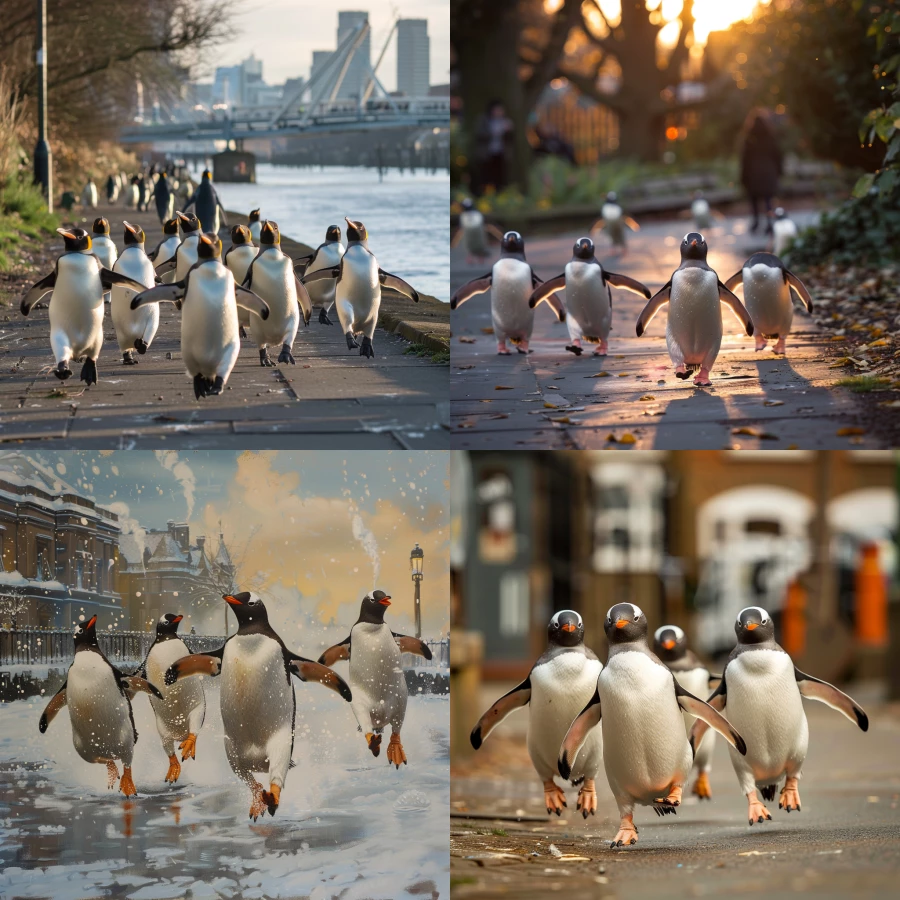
(413, 69)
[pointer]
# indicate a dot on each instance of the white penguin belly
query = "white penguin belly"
(322, 292)
(695, 320)
(166, 252)
(76, 307)
(697, 682)
(187, 255)
(472, 223)
(273, 280)
(511, 288)
(767, 297)
(129, 323)
(239, 260)
(587, 302)
(765, 707)
(173, 714)
(101, 724)
(209, 325)
(377, 681)
(560, 690)
(645, 748)
(358, 293)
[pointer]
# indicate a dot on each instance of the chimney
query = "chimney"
(201, 542)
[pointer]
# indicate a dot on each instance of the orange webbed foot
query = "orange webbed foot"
(374, 742)
(258, 806)
(701, 787)
(174, 769)
(271, 798)
(587, 798)
(126, 785)
(756, 812)
(395, 752)
(112, 774)
(554, 798)
(790, 795)
(188, 747)
(667, 804)
(626, 835)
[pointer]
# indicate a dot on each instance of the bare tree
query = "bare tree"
(11, 607)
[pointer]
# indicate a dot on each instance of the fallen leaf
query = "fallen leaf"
(555, 403)
(838, 337)
(467, 340)
(599, 375)
(647, 397)
(841, 362)
(498, 416)
(503, 387)
(552, 387)
(626, 438)
(487, 330)
(773, 403)
(755, 432)
(847, 432)
(623, 374)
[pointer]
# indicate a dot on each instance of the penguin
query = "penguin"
(473, 232)
(670, 645)
(588, 297)
(135, 329)
(99, 697)
(271, 276)
(614, 221)
(209, 300)
(206, 202)
(762, 690)
(358, 288)
(784, 230)
(327, 255)
(769, 288)
(701, 212)
(694, 328)
(131, 195)
(102, 245)
(646, 752)
(112, 190)
(376, 675)
(557, 689)
(164, 198)
(165, 249)
(186, 253)
(76, 306)
(257, 696)
(511, 282)
(89, 195)
(238, 258)
(182, 709)
(255, 224)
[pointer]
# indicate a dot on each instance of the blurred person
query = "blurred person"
(761, 163)
(164, 199)
(493, 138)
(550, 143)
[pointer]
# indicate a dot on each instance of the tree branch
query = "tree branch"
(680, 51)
(588, 88)
(564, 21)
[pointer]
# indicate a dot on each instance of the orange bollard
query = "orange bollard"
(793, 620)
(871, 600)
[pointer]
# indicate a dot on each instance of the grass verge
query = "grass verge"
(863, 384)
(441, 357)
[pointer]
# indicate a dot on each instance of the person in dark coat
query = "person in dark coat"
(206, 204)
(161, 194)
(761, 163)
(493, 146)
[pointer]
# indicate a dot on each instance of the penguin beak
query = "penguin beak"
(66, 234)
(177, 619)
(232, 601)
(182, 216)
(205, 239)
(751, 625)
(669, 644)
(385, 601)
(694, 243)
(131, 228)
(569, 626)
(91, 622)
(621, 623)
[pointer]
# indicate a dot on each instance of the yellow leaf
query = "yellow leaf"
(623, 374)
(601, 375)
(627, 438)
(648, 397)
(503, 387)
(487, 330)
(838, 337)
(881, 342)
(841, 362)
(847, 432)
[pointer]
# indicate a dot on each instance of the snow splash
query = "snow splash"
(364, 535)
(170, 460)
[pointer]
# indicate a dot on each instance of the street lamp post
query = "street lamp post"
(42, 160)
(416, 559)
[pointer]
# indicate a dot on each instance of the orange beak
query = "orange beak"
(669, 644)
(91, 622)
(385, 601)
(65, 233)
(751, 625)
(569, 626)
(694, 243)
(621, 623)
(232, 601)
(177, 619)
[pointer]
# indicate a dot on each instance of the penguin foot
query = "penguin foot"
(667, 804)
(587, 798)
(188, 747)
(242, 332)
(554, 798)
(502, 349)
(214, 388)
(89, 372)
(779, 346)
(701, 787)
(756, 812)
(258, 806)
(129, 359)
(682, 372)
(702, 378)
(323, 317)
(286, 356)
(790, 795)
(575, 348)
(112, 774)
(395, 752)
(174, 769)
(522, 347)
(126, 785)
(760, 342)
(626, 835)
(141, 345)
(367, 349)
(264, 358)
(271, 798)
(374, 742)
(602, 350)
(62, 371)
(351, 341)
(200, 386)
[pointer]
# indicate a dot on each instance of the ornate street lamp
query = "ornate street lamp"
(416, 560)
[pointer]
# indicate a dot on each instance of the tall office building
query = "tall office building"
(356, 79)
(412, 57)
(319, 61)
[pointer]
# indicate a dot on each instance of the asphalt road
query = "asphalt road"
(844, 842)
(554, 400)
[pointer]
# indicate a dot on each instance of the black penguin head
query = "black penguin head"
(566, 629)
(171, 226)
(669, 643)
(333, 233)
(693, 246)
(253, 217)
(248, 609)
(625, 623)
(512, 243)
(356, 231)
(754, 626)
(612, 197)
(75, 239)
(240, 234)
(468, 204)
(100, 226)
(167, 624)
(209, 246)
(207, 175)
(86, 634)
(189, 222)
(373, 607)
(583, 249)
(134, 234)
(269, 234)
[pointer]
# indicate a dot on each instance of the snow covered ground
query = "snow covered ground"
(349, 826)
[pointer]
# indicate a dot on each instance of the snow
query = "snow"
(349, 826)
(16, 579)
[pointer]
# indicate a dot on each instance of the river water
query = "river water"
(406, 215)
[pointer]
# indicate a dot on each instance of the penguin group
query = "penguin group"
(642, 716)
(257, 698)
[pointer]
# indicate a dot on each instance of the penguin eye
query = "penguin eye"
(254, 602)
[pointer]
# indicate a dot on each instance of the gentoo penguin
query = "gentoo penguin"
(762, 690)
(769, 288)
(257, 696)
(180, 714)
(89, 195)
(694, 327)
(670, 645)
(700, 211)
(784, 230)
(238, 258)
(165, 249)
(206, 203)
(102, 245)
(376, 676)
(588, 297)
(557, 689)
(99, 699)
(271, 276)
(325, 256)
(135, 329)
(253, 221)
(645, 749)
(614, 221)
(511, 282)
(474, 232)
(358, 288)
(164, 198)
(76, 307)
(209, 325)
(186, 253)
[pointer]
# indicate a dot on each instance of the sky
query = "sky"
(284, 33)
(318, 528)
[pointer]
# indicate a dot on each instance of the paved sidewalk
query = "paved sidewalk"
(552, 399)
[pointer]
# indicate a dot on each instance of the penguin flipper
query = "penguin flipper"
(469, 290)
(494, 232)
(408, 644)
(36, 291)
(717, 701)
(169, 265)
(336, 653)
(456, 238)
(161, 293)
(133, 684)
(828, 694)
(518, 697)
(700, 709)
(323, 274)
(735, 280)
(398, 284)
(544, 290)
(246, 299)
(653, 306)
(109, 278)
(303, 299)
(302, 263)
(577, 734)
(57, 702)
(629, 284)
(307, 670)
(800, 288)
(738, 308)
(195, 664)
(631, 223)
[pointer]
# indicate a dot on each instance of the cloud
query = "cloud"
(169, 459)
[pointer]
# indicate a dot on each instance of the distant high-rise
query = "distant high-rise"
(319, 61)
(357, 76)
(412, 57)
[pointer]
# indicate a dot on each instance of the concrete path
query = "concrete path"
(331, 399)
(552, 399)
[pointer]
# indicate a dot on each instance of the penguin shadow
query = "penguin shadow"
(693, 421)
(780, 381)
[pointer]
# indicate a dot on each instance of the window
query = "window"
(497, 517)
(44, 568)
(514, 604)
